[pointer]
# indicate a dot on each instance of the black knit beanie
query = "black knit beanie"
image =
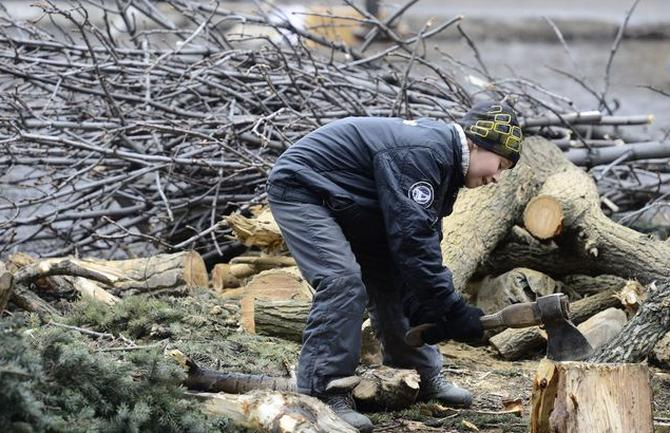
(493, 126)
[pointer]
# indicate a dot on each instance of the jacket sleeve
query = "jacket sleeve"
(408, 183)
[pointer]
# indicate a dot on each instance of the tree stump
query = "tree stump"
(578, 397)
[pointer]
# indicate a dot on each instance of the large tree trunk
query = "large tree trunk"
(482, 217)
(577, 397)
(568, 205)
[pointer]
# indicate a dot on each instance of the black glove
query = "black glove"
(422, 311)
(460, 323)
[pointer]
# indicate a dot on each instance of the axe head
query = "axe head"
(564, 341)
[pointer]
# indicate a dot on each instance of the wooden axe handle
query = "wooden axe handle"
(514, 316)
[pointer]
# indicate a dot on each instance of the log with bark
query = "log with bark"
(567, 209)
(272, 411)
(176, 273)
(385, 388)
(282, 319)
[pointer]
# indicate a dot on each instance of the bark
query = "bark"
(204, 379)
(29, 301)
(166, 273)
(661, 352)
(513, 344)
(577, 397)
(642, 332)
(282, 319)
(482, 217)
(585, 285)
(547, 258)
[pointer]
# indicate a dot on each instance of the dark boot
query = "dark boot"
(438, 388)
(343, 405)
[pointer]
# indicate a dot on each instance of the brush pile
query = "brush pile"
(117, 143)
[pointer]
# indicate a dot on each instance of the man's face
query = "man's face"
(485, 167)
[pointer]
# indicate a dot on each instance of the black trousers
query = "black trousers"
(342, 252)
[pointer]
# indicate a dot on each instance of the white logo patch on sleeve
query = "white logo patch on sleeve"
(422, 193)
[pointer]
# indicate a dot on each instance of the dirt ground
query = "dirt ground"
(499, 388)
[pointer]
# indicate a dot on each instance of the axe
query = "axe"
(564, 341)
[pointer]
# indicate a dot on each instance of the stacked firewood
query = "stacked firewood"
(117, 144)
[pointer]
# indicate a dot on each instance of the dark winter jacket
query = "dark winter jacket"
(410, 171)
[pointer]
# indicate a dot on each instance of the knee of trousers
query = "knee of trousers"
(344, 292)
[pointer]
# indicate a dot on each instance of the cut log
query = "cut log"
(271, 411)
(513, 344)
(284, 284)
(282, 319)
(175, 274)
(234, 274)
(385, 388)
(467, 241)
(165, 273)
(637, 339)
(543, 217)
(586, 232)
(229, 276)
(515, 286)
(578, 397)
(35, 271)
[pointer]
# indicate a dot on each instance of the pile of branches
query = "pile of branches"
(122, 143)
